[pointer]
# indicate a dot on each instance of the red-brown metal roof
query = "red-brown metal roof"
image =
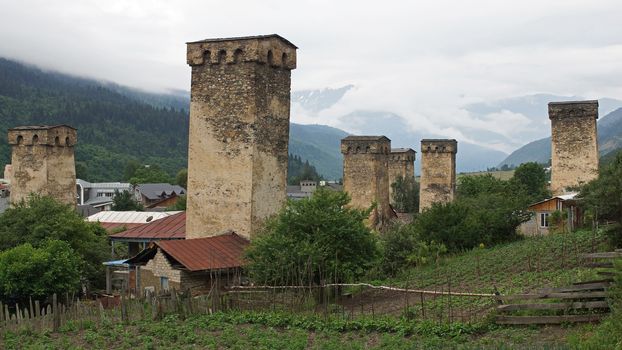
(208, 253)
(171, 227)
(111, 226)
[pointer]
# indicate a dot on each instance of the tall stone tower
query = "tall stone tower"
(239, 132)
(43, 162)
(366, 174)
(574, 144)
(438, 172)
(401, 163)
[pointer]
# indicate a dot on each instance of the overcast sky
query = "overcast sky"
(421, 59)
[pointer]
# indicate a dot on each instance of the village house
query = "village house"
(541, 221)
(198, 264)
(117, 221)
(138, 237)
(158, 196)
(118, 272)
(99, 195)
(304, 190)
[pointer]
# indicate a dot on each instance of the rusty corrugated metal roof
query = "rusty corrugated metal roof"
(208, 253)
(111, 226)
(171, 227)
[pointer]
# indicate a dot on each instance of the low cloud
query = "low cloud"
(424, 61)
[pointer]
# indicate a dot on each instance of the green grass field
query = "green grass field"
(521, 266)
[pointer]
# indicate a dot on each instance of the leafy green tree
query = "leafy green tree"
(403, 247)
(486, 210)
(313, 240)
(405, 196)
(397, 243)
(81, 171)
(125, 201)
(181, 178)
(532, 176)
(558, 221)
(42, 218)
(26, 271)
(603, 197)
(130, 169)
(180, 204)
(150, 174)
(298, 170)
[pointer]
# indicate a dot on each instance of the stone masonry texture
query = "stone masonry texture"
(239, 131)
(574, 144)
(438, 172)
(401, 163)
(43, 162)
(366, 175)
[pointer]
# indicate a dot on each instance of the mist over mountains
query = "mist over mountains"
(118, 123)
(609, 140)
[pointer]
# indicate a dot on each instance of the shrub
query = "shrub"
(42, 218)
(314, 239)
(39, 272)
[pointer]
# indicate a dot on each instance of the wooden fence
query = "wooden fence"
(326, 300)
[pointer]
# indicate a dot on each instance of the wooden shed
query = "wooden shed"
(540, 223)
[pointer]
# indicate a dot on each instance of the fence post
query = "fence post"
(123, 309)
(189, 293)
(55, 313)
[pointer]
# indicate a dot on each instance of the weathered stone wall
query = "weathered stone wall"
(574, 144)
(199, 282)
(401, 163)
(366, 175)
(239, 132)
(438, 172)
(43, 162)
(158, 267)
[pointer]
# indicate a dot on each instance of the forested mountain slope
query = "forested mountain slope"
(117, 124)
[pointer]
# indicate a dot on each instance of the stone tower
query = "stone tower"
(438, 172)
(401, 163)
(366, 174)
(43, 162)
(239, 132)
(574, 144)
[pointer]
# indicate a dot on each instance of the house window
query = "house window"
(164, 283)
(544, 219)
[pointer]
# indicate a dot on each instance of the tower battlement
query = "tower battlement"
(401, 164)
(366, 175)
(573, 109)
(239, 132)
(42, 162)
(365, 145)
(574, 144)
(58, 135)
(438, 172)
(439, 146)
(272, 49)
(403, 154)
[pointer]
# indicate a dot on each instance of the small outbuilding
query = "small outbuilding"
(541, 223)
(198, 264)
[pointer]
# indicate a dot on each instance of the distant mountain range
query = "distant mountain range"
(609, 140)
(117, 124)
